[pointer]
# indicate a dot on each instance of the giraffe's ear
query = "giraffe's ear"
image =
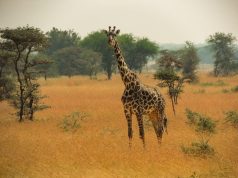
(117, 32)
(104, 31)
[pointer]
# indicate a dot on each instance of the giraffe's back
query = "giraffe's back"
(143, 99)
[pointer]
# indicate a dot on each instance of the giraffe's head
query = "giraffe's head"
(111, 34)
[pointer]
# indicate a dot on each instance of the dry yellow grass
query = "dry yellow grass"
(99, 148)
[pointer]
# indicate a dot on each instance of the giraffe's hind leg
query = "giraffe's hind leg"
(141, 128)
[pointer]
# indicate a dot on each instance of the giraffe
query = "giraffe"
(137, 98)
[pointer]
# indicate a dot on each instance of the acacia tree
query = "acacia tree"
(21, 43)
(91, 62)
(223, 46)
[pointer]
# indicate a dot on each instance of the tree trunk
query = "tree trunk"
(172, 101)
(21, 112)
(31, 108)
(109, 73)
(109, 76)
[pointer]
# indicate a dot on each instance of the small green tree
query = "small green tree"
(204, 127)
(68, 60)
(223, 46)
(167, 73)
(21, 42)
(190, 60)
(137, 51)
(97, 41)
(144, 50)
(45, 69)
(91, 62)
(59, 39)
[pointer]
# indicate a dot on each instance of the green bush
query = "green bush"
(201, 149)
(235, 89)
(191, 116)
(72, 122)
(205, 124)
(200, 91)
(202, 123)
(232, 118)
(193, 175)
(218, 83)
(225, 91)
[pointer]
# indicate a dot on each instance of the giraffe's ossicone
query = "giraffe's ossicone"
(137, 98)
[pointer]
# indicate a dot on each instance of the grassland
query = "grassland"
(99, 147)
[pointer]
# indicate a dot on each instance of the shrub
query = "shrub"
(220, 83)
(193, 175)
(205, 124)
(201, 149)
(200, 91)
(191, 116)
(235, 89)
(232, 118)
(206, 84)
(225, 91)
(72, 122)
(202, 123)
(216, 84)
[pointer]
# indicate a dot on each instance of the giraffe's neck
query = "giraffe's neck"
(127, 75)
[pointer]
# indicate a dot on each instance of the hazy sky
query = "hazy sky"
(160, 20)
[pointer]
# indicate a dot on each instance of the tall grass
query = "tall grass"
(99, 147)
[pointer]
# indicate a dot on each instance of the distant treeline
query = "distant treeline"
(27, 53)
(69, 54)
(204, 51)
(72, 55)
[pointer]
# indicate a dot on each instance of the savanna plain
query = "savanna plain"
(98, 146)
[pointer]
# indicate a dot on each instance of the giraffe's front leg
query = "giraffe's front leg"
(141, 128)
(129, 122)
